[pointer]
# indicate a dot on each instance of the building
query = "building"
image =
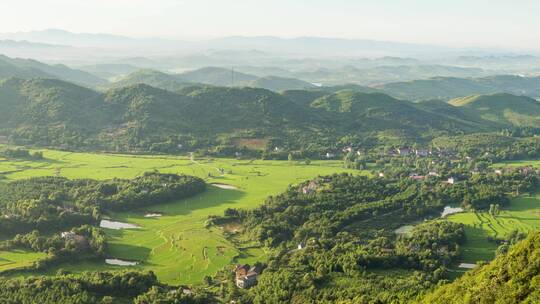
(311, 187)
(417, 177)
(330, 155)
(79, 240)
(404, 151)
(422, 152)
(246, 276)
(3, 139)
(451, 180)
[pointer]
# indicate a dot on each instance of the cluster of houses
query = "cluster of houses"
(415, 176)
(311, 187)
(246, 276)
(407, 151)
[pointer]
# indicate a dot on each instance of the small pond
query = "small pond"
(225, 186)
(116, 225)
(451, 210)
(119, 262)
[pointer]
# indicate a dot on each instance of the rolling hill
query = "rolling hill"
(210, 76)
(141, 117)
(153, 78)
(28, 68)
(502, 108)
(446, 88)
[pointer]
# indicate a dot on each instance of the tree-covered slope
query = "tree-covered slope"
(511, 278)
(217, 76)
(446, 88)
(141, 117)
(503, 108)
(50, 111)
(278, 84)
(27, 69)
(376, 112)
(153, 78)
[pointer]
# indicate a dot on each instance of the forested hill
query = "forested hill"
(511, 278)
(28, 68)
(449, 87)
(210, 76)
(49, 112)
(503, 108)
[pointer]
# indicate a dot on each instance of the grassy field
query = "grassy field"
(522, 214)
(176, 246)
(18, 258)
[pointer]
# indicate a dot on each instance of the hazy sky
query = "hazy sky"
(504, 23)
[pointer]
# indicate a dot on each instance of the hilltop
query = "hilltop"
(446, 88)
(28, 69)
(502, 108)
(210, 76)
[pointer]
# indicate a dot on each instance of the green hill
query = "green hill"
(446, 88)
(376, 112)
(217, 77)
(145, 118)
(278, 84)
(28, 68)
(153, 78)
(502, 108)
(511, 278)
(208, 77)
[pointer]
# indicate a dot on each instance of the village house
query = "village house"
(451, 180)
(330, 155)
(347, 150)
(311, 187)
(416, 177)
(422, 152)
(3, 139)
(404, 151)
(433, 173)
(246, 276)
(381, 174)
(498, 172)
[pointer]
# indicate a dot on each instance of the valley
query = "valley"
(176, 246)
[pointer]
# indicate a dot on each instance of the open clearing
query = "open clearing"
(176, 245)
(522, 214)
(18, 258)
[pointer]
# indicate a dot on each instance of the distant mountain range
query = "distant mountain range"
(311, 46)
(448, 87)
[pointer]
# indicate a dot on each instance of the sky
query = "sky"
(460, 23)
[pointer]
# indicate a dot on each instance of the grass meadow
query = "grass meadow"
(176, 246)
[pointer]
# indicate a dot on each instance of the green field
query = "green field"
(18, 258)
(176, 246)
(522, 214)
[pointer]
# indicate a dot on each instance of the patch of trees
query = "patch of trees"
(22, 153)
(55, 203)
(95, 287)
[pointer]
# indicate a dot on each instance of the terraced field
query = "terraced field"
(18, 258)
(175, 245)
(522, 214)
